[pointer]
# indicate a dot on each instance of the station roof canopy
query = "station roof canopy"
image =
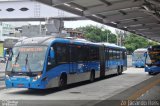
(141, 17)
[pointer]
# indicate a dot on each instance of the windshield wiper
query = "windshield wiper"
(17, 58)
(12, 71)
(27, 63)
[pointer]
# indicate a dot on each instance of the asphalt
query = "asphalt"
(81, 94)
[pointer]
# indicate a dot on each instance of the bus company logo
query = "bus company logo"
(9, 103)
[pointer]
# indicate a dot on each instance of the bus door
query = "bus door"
(72, 59)
(102, 60)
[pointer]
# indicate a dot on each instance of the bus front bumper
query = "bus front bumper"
(152, 69)
(139, 64)
(24, 83)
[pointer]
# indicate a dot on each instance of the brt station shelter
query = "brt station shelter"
(141, 17)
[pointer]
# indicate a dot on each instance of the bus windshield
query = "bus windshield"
(138, 55)
(153, 57)
(27, 59)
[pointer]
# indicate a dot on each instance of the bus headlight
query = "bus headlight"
(37, 77)
(7, 76)
(146, 65)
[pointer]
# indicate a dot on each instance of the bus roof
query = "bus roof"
(47, 40)
(141, 50)
(112, 45)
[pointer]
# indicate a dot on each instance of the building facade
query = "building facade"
(6, 30)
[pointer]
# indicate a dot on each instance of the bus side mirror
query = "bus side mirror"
(145, 54)
(10, 55)
(51, 54)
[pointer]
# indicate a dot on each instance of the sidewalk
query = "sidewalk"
(2, 67)
(2, 85)
(144, 91)
(2, 73)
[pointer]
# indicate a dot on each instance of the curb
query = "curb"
(2, 87)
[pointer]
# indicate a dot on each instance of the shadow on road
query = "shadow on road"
(55, 90)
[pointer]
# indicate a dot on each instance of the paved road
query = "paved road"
(90, 93)
(2, 84)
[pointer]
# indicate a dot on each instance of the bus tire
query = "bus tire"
(63, 81)
(150, 73)
(121, 70)
(118, 70)
(92, 76)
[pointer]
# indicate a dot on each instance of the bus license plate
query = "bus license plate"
(20, 85)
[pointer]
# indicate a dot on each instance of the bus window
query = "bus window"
(118, 54)
(110, 54)
(124, 55)
(114, 55)
(106, 53)
(79, 53)
(82, 53)
(94, 53)
(73, 53)
(85, 53)
(121, 55)
(61, 53)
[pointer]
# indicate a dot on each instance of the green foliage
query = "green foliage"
(98, 34)
(133, 42)
(130, 41)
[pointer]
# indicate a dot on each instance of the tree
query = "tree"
(98, 34)
(130, 41)
(133, 42)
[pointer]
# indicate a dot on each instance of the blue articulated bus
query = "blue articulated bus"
(47, 62)
(153, 60)
(138, 57)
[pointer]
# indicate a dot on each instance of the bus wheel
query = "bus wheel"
(121, 70)
(92, 76)
(150, 73)
(118, 71)
(63, 81)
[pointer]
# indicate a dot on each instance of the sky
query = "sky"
(45, 11)
(75, 24)
(68, 24)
